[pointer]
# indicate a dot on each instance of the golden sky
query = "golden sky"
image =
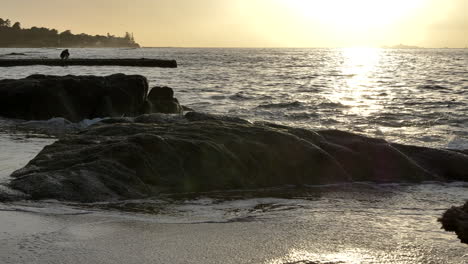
(255, 23)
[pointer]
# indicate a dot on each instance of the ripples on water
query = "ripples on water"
(406, 96)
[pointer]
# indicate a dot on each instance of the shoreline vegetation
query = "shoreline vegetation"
(13, 36)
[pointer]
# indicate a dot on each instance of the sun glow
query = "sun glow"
(356, 14)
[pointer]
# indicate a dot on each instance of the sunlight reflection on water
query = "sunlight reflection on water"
(348, 256)
(356, 91)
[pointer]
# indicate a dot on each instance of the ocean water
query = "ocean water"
(410, 96)
(417, 97)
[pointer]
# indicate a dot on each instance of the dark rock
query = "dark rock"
(373, 159)
(159, 118)
(41, 97)
(464, 151)
(8, 195)
(144, 158)
(117, 120)
(161, 100)
(139, 160)
(159, 93)
(195, 116)
(455, 220)
(450, 164)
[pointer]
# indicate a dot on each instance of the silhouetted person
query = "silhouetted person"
(65, 54)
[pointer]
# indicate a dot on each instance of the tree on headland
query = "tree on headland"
(4, 23)
(7, 23)
(35, 37)
(16, 26)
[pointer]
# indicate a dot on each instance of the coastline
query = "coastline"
(322, 230)
(398, 224)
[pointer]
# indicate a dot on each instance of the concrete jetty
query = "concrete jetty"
(90, 62)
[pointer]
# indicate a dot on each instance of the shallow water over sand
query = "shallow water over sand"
(359, 223)
(17, 151)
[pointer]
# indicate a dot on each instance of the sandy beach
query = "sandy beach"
(340, 227)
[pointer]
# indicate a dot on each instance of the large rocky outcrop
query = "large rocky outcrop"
(456, 220)
(41, 97)
(134, 158)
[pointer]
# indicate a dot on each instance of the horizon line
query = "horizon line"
(279, 47)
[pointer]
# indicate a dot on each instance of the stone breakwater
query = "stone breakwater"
(140, 157)
(42, 97)
(87, 62)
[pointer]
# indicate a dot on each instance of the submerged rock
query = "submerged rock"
(456, 220)
(203, 152)
(42, 97)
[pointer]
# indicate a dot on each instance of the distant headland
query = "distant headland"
(402, 46)
(12, 35)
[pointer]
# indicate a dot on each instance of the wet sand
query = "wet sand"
(299, 236)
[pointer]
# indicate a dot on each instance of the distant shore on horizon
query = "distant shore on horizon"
(382, 47)
(13, 36)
